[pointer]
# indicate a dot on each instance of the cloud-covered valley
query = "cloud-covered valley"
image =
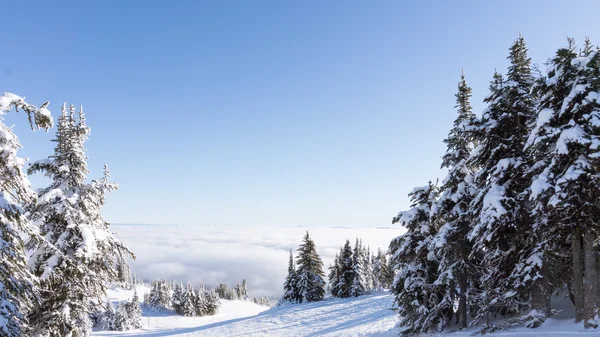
(211, 255)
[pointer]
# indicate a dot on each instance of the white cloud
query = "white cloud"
(212, 254)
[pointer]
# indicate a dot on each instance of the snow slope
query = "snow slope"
(362, 316)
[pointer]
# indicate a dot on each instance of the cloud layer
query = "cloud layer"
(211, 255)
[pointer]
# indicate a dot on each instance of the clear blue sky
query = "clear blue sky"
(267, 112)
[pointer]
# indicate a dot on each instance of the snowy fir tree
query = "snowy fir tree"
(159, 297)
(107, 321)
(201, 301)
(77, 254)
(456, 193)
(177, 299)
(311, 285)
(17, 284)
(341, 273)
(291, 294)
(358, 286)
(189, 301)
(565, 146)
(348, 274)
(241, 290)
(415, 294)
(212, 303)
(514, 222)
(367, 269)
(264, 302)
(134, 312)
(382, 273)
(124, 275)
(126, 316)
(501, 225)
(334, 277)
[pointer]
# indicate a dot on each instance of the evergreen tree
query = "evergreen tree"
(222, 291)
(17, 293)
(413, 288)
(177, 299)
(264, 302)
(124, 275)
(368, 269)
(121, 322)
(502, 225)
(159, 298)
(78, 254)
(311, 285)
(189, 301)
(291, 293)
(201, 301)
(347, 270)
(451, 246)
(107, 321)
(134, 312)
(212, 303)
(565, 185)
(382, 273)
(358, 282)
(335, 272)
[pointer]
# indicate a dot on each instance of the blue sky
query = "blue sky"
(267, 112)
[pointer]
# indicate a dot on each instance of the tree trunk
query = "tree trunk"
(462, 301)
(591, 278)
(577, 274)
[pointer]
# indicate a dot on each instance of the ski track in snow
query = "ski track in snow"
(368, 315)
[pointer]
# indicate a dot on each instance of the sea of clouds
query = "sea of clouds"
(211, 255)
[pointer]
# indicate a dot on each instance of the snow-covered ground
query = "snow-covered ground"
(368, 315)
(364, 316)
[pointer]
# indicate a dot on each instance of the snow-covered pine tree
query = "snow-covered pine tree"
(566, 185)
(107, 320)
(200, 301)
(450, 245)
(290, 286)
(177, 299)
(17, 292)
(311, 285)
(134, 311)
(347, 270)
(212, 302)
(222, 290)
(358, 282)
(334, 277)
(78, 254)
(376, 272)
(189, 301)
(412, 286)
(501, 231)
(264, 302)
(367, 269)
(381, 271)
(124, 275)
(158, 298)
(244, 289)
(121, 322)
